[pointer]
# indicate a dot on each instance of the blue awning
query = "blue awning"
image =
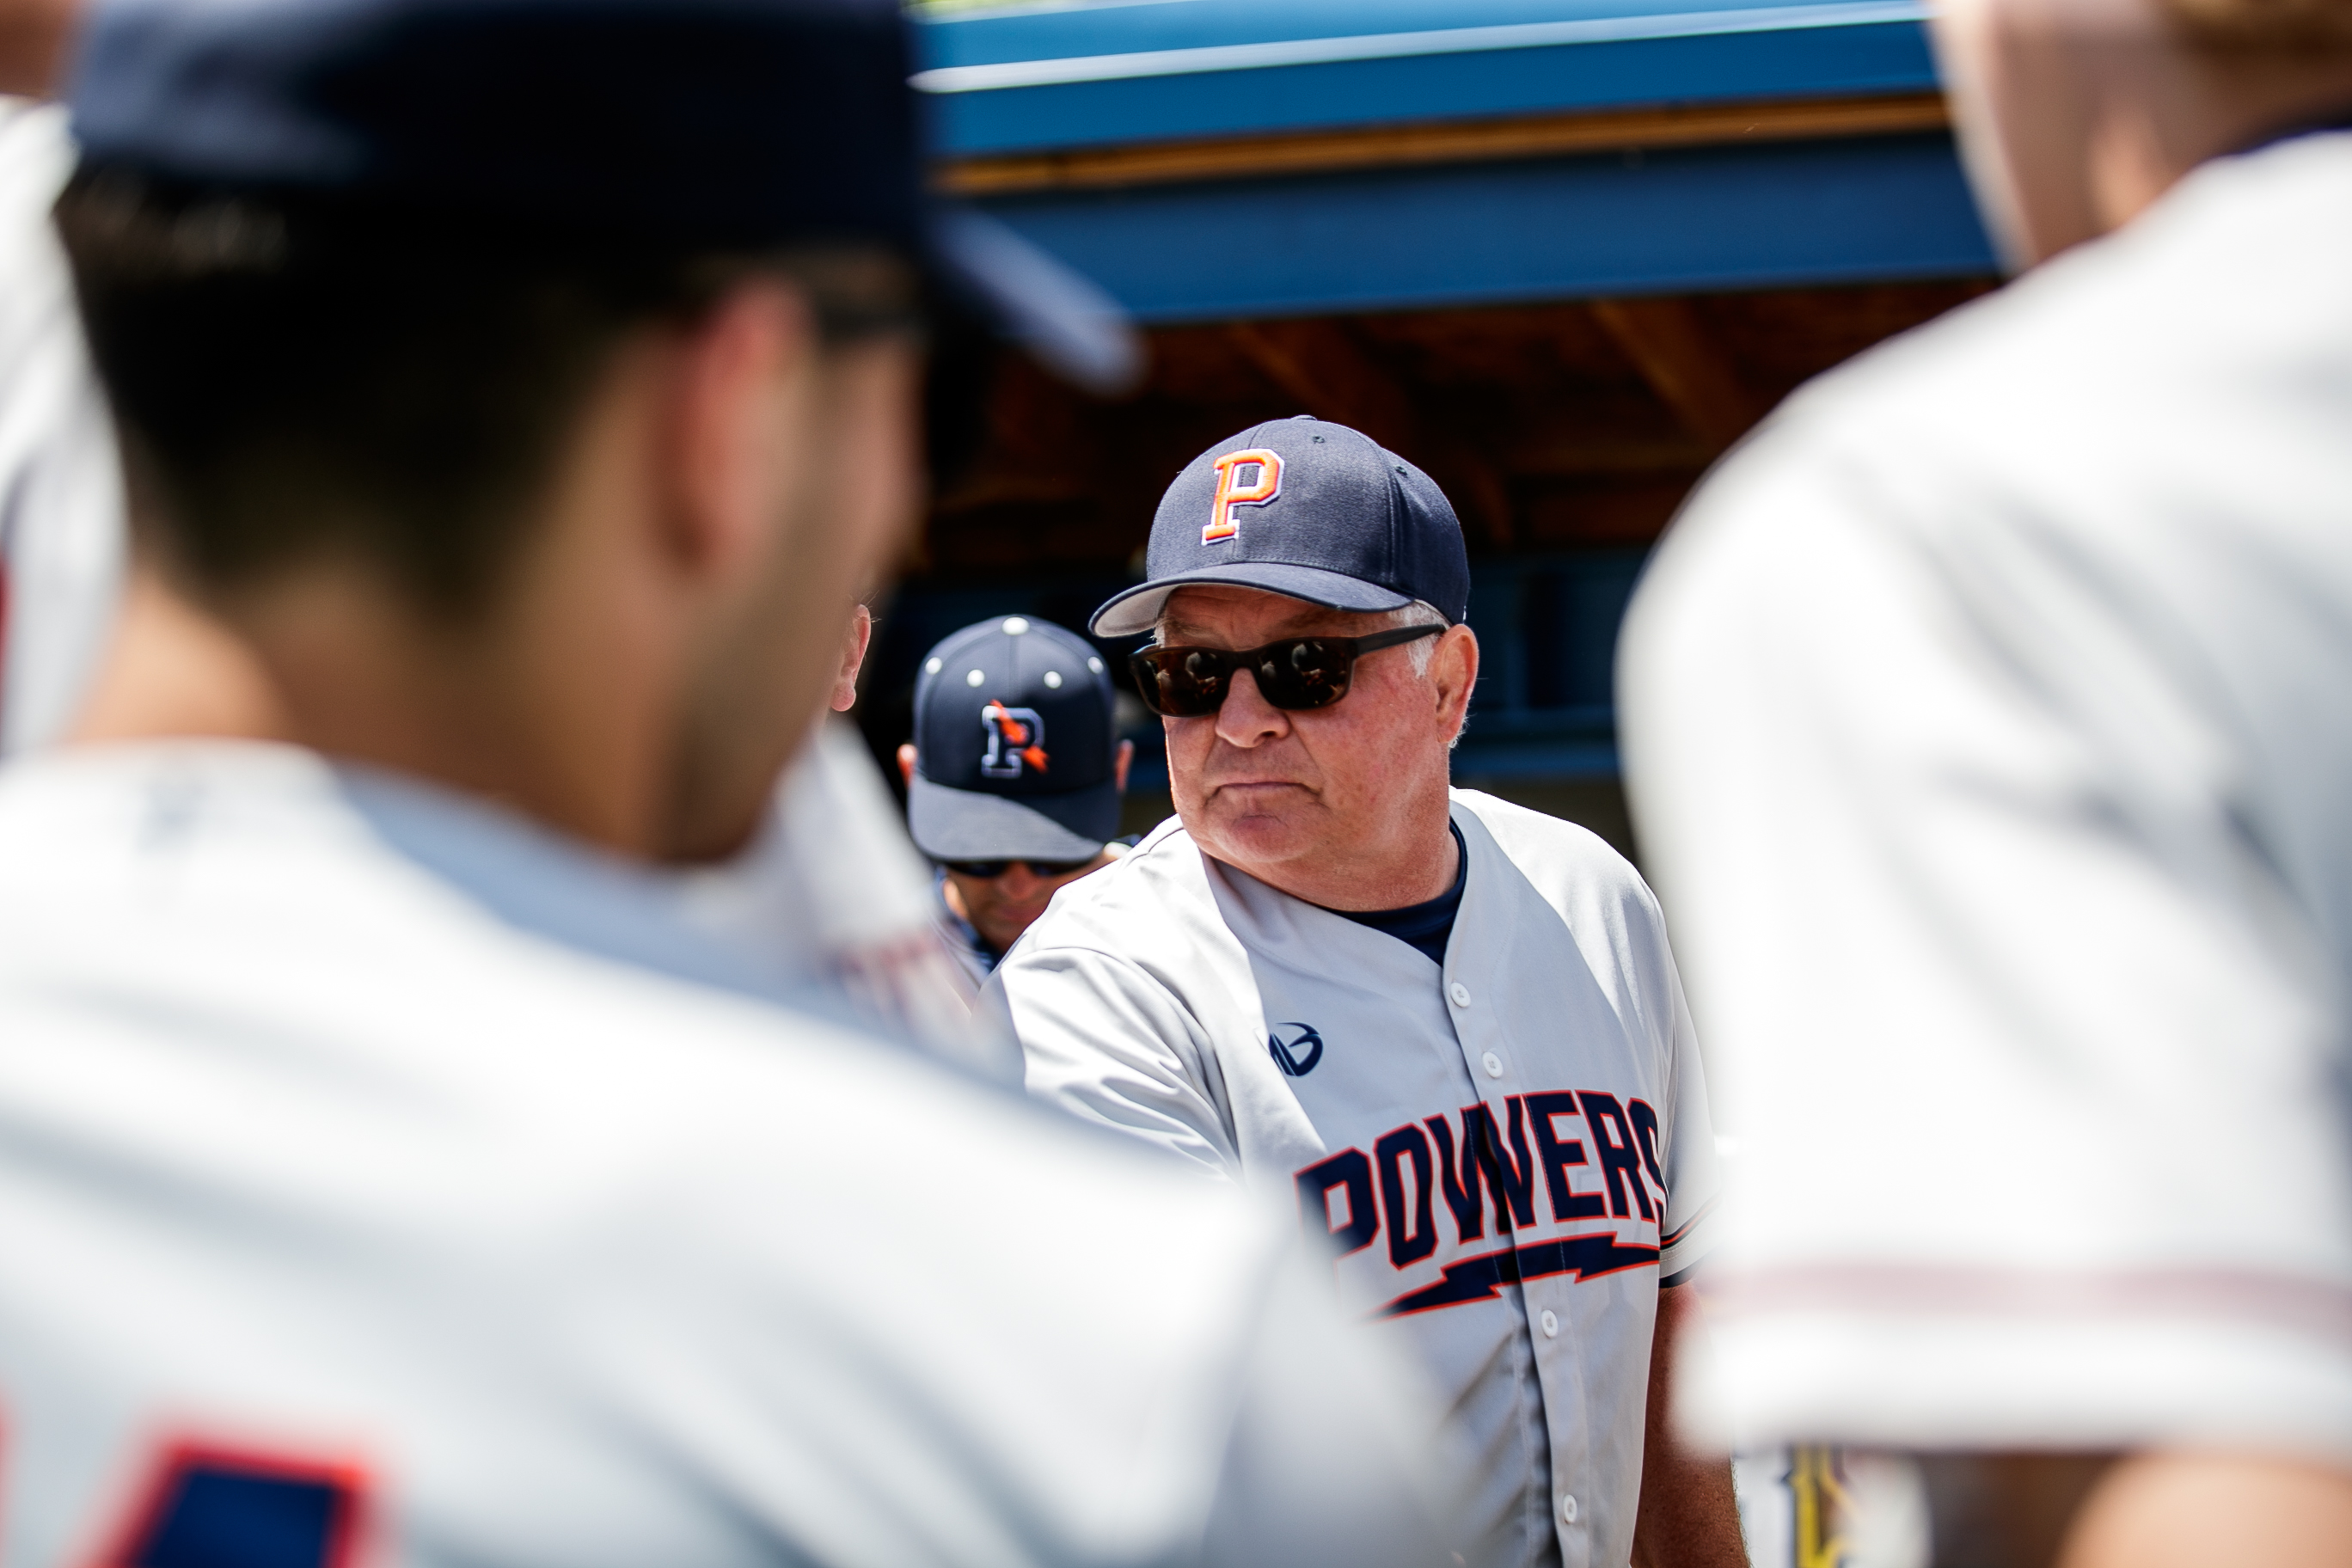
(1035, 77)
(1059, 79)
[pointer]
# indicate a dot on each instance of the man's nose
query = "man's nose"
(1018, 880)
(1247, 718)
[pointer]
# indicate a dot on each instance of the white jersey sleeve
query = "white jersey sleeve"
(1106, 1041)
(61, 511)
(1985, 718)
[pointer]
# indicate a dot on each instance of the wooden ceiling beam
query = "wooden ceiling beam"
(1441, 141)
(1319, 362)
(1683, 365)
(1572, 454)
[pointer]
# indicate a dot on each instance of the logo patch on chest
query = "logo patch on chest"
(1295, 1057)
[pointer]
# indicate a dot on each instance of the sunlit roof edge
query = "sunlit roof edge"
(1223, 57)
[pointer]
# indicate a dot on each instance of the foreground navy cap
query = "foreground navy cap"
(1014, 747)
(1304, 508)
(694, 124)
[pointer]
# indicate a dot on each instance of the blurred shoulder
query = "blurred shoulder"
(1160, 884)
(2182, 317)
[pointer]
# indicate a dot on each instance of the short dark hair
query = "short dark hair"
(292, 380)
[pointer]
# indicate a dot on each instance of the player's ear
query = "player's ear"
(1454, 674)
(739, 385)
(1120, 763)
(854, 641)
(906, 763)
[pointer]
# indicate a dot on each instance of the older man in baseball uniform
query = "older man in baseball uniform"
(1448, 1029)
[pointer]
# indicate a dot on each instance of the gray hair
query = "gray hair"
(1420, 613)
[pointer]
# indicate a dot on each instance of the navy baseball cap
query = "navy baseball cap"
(680, 125)
(1014, 748)
(1308, 509)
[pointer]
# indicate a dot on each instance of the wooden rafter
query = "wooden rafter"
(1689, 372)
(1319, 362)
(1448, 142)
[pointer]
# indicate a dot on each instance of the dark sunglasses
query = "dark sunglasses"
(1292, 674)
(988, 871)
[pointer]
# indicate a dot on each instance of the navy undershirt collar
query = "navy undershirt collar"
(1424, 926)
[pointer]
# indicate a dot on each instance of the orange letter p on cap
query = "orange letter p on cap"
(1243, 479)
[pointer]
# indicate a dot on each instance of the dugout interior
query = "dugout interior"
(1560, 253)
(1566, 434)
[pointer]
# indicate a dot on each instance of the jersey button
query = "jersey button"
(1493, 1065)
(1550, 1325)
(1567, 1508)
(1460, 993)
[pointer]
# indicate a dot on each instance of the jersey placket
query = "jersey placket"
(1474, 970)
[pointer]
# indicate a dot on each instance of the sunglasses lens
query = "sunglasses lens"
(988, 871)
(1302, 672)
(1182, 683)
(1306, 672)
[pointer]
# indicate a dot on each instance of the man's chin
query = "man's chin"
(1251, 837)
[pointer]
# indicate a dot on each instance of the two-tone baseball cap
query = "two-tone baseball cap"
(682, 126)
(1015, 746)
(1304, 508)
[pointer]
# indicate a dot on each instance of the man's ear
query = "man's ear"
(1454, 671)
(854, 642)
(736, 374)
(1121, 763)
(906, 763)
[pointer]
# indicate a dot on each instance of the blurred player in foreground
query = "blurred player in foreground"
(829, 890)
(514, 396)
(62, 535)
(1014, 780)
(1986, 719)
(1445, 1027)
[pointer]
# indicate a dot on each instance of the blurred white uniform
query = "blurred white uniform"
(1990, 721)
(833, 890)
(1507, 1153)
(832, 893)
(393, 1182)
(61, 536)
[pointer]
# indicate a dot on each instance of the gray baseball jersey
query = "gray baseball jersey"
(394, 1183)
(1506, 1154)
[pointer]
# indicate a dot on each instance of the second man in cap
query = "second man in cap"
(1013, 778)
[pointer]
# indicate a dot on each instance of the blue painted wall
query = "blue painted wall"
(1780, 215)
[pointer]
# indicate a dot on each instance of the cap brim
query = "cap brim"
(967, 825)
(1071, 326)
(1138, 609)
